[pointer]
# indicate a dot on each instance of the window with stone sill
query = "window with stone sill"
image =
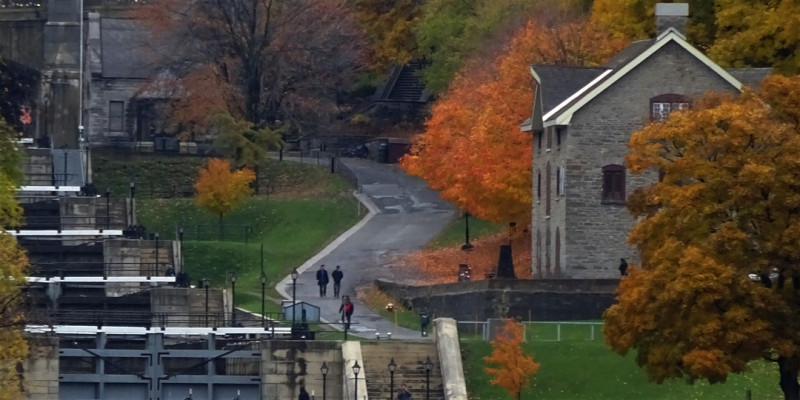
(613, 184)
(662, 105)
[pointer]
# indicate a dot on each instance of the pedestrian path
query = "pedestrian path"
(403, 216)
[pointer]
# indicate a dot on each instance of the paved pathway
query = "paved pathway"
(403, 216)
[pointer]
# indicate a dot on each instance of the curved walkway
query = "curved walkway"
(403, 216)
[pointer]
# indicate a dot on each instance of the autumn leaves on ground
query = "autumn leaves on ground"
(441, 265)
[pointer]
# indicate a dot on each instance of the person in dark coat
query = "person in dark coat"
(623, 267)
(337, 276)
(303, 394)
(322, 280)
(403, 393)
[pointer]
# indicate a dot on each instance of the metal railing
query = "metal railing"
(326, 160)
(537, 331)
(63, 269)
(70, 222)
(151, 319)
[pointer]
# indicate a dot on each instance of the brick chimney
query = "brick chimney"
(671, 15)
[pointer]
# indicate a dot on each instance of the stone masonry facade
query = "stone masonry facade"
(581, 237)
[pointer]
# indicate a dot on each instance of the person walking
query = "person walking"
(403, 393)
(623, 267)
(337, 280)
(322, 280)
(346, 309)
(303, 394)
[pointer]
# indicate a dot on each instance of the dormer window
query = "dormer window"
(662, 105)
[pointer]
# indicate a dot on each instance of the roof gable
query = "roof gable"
(562, 114)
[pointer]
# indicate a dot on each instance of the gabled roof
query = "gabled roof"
(751, 77)
(557, 83)
(635, 54)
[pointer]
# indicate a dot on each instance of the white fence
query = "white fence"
(539, 331)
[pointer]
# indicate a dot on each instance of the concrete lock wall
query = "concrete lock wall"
(134, 257)
(542, 300)
(286, 366)
(186, 306)
(40, 370)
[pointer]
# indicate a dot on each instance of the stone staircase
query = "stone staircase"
(408, 85)
(409, 356)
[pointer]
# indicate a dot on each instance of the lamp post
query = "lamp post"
(108, 209)
(392, 368)
(466, 245)
(324, 370)
(232, 276)
(206, 284)
(263, 285)
(157, 267)
(132, 193)
(294, 292)
(427, 364)
(180, 247)
(356, 370)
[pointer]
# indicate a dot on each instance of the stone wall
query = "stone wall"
(134, 257)
(592, 236)
(286, 366)
(40, 374)
(539, 300)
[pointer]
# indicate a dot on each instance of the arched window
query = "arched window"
(613, 184)
(662, 105)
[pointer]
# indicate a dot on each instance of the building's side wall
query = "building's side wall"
(286, 366)
(100, 93)
(598, 135)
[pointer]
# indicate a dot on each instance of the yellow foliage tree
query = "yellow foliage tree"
(220, 190)
(514, 367)
(12, 269)
(719, 236)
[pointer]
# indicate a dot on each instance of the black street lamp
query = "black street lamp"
(180, 247)
(232, 276)
(294, 292)
(108, 209)
(130, 206)
(466, 245)
(263, 286)
(356, 370)
(157, 243)
(324, 370)
(392, 368)
(427, 364)
(206, 284)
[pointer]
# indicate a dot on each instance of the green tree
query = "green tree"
(13, 263)
(220, 190)
(727, 206)
(451, 31)
(389, 27)
(243, 143)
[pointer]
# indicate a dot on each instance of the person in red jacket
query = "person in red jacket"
(346, 309)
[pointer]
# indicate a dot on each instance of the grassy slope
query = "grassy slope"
(307, 209)
(590, 371)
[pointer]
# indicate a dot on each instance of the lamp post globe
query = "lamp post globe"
(392, 368)
(294, 293)
(324, 370)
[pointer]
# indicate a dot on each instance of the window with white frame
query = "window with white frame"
(562, 174)
(662, 105)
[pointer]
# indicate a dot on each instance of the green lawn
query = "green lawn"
(454, 233)
(588, 370)
(308, 208)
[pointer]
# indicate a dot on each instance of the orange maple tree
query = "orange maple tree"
(514, 367)
(472, 150)
(719, 235)
(220, 190)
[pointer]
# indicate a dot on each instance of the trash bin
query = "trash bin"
(383, 152)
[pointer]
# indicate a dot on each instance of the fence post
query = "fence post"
(592, 332)
(558, 332)
(333, 162)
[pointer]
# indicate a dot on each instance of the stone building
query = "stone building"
(581, 122)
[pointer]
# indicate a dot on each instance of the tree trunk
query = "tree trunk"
(789, 368)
